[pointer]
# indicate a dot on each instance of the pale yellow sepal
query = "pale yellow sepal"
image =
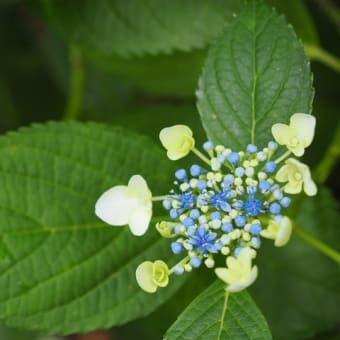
(151, 275)
(164, 228)
(177, 140)
(129, 204)
(298, 177)
(296, 136)
(280, 231)
(239, 273)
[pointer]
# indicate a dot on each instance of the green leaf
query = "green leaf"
(215, 314)
(61, 269)
(298, 287)
(255, 75)
(139, 27)
(298, 15)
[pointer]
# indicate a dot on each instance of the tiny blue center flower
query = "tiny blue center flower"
(203, 241)
(253, 206)
(187, 200)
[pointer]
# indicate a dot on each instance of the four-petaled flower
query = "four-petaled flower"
(279, 230)
(297, 175)
(151, 275)
(129, 204)
(297, 135)
(177, 140)
(239, 273)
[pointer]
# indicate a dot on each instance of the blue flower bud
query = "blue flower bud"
(174, 213)
(240, 221)
(251, 148)
(167, 204)
(255, 242)
(239, 172)
(272, 145)
(277, 193)
(255, 228)
(195, 261)
(270, 167)
(201, 184)
(275, 208)
(178, 270)
(181, 174)
(264, 185)
(208, 145)
(285, 202)
(195, 214)
(176, 247)
(195, 170)
(234, 158)
(188, 221)
(216, 215)
(227, 227)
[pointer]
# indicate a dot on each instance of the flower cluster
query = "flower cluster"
(224, 207)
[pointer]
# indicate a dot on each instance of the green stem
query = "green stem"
(200, 155)
(317, 53)
(75, 99)
(282, 157)
(322, 247)
(326, 165)
(159, 198)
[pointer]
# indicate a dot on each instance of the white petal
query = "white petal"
(138, 187)
(282, 133)
(305, 125)
(139, 220)
(309, 185)
(144, 277)
(284, 232)
(283, 173)
(115, 205)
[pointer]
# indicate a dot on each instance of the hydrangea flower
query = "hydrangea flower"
(151, 275)
(223, 206)
(297, 175)
(177, 140)
(297, 135)
(131, 204)
(239, 273)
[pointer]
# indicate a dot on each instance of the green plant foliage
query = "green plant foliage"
(215, 314)
(62, 270)
(298, 15)
(138, 27)
(255, 75)
(298, 288)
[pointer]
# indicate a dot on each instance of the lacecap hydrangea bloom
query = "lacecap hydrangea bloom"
(223, 206)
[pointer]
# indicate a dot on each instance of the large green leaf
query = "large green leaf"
(215, 314)
(298, 15)
(255, 75)
(61, 269)
(138, 27)
(298, 288)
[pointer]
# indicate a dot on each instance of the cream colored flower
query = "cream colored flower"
(297, 175)
(165, 229)
(129, 204)
(278, 230)
(177, 140)
(239, 273)
(297, 135)
(151, 275)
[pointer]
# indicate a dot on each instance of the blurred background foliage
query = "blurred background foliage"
(50, 71)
